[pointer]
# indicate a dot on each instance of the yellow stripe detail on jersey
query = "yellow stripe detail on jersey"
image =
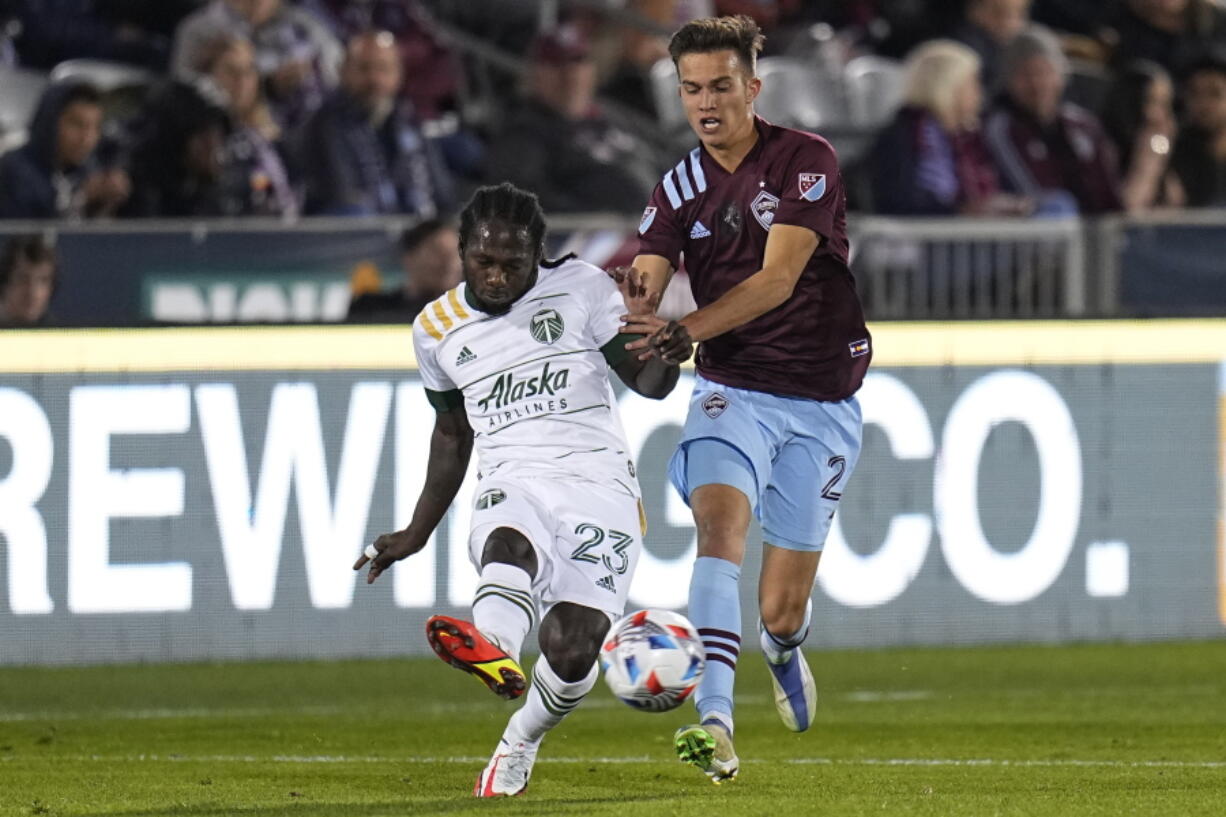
(442, 316)
(429, 326)
(454, 298)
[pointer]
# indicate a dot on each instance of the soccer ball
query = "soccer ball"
(652, 660)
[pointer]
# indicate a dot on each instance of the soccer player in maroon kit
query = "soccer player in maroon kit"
(774, 429)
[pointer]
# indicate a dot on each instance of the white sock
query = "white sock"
(503, 609)
(778, 649)
(549, 700)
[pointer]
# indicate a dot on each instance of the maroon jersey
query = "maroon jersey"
(815, 344)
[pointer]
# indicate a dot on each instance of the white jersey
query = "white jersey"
(535, 380)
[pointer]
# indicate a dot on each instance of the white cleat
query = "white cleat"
(795, 691)
(507, 773)
(708, 747)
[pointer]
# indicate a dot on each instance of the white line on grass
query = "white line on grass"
(436, 707)
(629, 760)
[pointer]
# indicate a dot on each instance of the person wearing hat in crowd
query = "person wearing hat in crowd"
(430, 258)
(1047, 148)
(559, 144)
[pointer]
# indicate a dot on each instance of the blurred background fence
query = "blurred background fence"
(268, 271)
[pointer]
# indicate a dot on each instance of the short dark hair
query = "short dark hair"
(740, 34)
(81, 91)
(28, 249)
(507, 203)
(1208, 60)
(413, 237)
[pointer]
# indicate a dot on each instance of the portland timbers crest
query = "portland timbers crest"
(490, 498)
(547, 326)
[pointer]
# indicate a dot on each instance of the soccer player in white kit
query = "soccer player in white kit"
(516, 361)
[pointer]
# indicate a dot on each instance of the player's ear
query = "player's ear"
(752, 88)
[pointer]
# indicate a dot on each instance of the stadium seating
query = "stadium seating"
(20, 89)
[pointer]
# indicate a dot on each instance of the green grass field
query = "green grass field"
(1068, 731)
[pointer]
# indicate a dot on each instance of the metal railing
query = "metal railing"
(915, 269)
(970, 268)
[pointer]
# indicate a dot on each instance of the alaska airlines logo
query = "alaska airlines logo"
(507, 390)
(547, 326)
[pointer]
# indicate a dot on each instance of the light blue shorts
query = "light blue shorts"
(790, 456)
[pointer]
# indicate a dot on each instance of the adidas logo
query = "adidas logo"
(607, 584)
(466, 356)
(699, 230)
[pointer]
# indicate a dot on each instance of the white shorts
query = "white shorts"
(587, 537)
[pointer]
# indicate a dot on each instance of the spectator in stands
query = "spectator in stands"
(987, 27)
(433, 66)
(27, 281)
(1168, 32)
(362, 153)
(931, 160)
(1139, 116)
(430, 258)
(56, 174)
(252, 159)
(1046, 148)
(557, 143)
(297, 56)
(1200, 150)
(179, 157)
(434, 72)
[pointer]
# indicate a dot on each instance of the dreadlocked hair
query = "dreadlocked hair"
(511, 205)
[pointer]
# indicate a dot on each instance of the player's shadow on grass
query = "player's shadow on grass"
(526, 805)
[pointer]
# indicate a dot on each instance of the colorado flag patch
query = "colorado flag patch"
(812, 186)
(858, 348)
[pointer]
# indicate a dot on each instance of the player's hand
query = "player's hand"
(633, 286)
(645, 325)
(388, 549)
(630, 282)
(672, 343)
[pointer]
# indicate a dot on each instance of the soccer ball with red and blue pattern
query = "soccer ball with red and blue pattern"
(653, 660)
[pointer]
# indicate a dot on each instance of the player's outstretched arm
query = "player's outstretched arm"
(788, 250)
(451, 445)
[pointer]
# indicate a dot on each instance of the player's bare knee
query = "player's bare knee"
(721, 542)
(570, 638)
(509, 546)
(780, 617)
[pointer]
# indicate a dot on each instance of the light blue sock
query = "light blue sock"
(715, 610)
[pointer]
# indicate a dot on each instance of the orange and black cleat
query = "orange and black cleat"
(461, 644)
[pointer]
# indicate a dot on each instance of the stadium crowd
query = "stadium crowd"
(230, 108)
